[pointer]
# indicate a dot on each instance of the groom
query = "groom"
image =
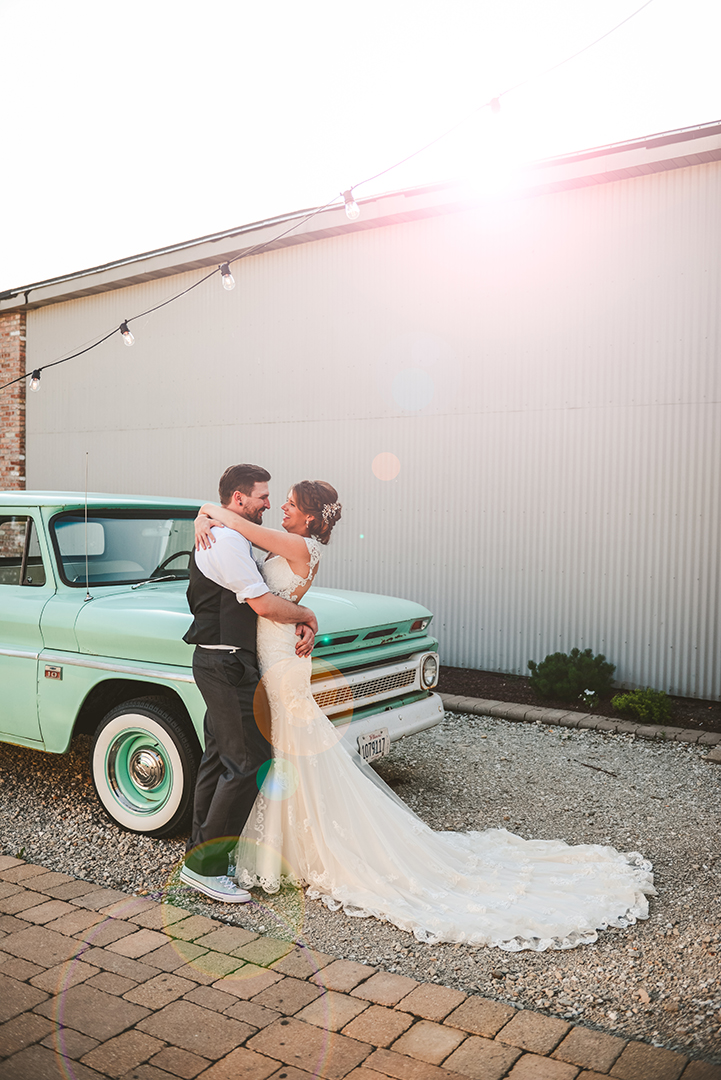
(226, 594)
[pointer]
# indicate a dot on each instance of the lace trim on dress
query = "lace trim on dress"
(334, 900)
(335, 897)
(295, 581)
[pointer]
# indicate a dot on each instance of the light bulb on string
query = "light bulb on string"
(495, 105)
(127, 336)
(35, 381)
(228, 279)
(352, 209)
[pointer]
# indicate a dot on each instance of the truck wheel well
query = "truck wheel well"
(111, 692)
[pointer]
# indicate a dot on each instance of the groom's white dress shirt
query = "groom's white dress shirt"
(229, 563)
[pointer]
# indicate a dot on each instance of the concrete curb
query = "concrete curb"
(531, 714)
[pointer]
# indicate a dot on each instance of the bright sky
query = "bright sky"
(127, 126)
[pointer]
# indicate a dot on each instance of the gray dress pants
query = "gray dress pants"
(235, 749)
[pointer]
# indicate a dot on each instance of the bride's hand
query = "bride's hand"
(306, 639)
(203, 536)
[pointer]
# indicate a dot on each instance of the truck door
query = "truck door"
(25, 588)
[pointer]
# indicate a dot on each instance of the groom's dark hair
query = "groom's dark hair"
(240, 478)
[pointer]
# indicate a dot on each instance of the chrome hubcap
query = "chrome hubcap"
(147, 769)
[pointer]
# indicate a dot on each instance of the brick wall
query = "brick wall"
(12, 401)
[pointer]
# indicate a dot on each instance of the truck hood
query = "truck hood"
(340, 609)
(143, 624)
(148, 623)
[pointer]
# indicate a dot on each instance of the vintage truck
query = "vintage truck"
(92, 615)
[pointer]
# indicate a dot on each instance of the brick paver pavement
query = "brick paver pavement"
(95, 984)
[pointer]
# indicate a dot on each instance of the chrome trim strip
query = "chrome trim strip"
(124, 669)
(20, 653)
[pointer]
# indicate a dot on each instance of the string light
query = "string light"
(228, 279)
(35, 381)
(495, 105)
(352, 209)
(127, 336)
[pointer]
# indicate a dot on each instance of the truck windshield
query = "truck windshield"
(122, 547)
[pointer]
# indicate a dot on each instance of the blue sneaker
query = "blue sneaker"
(218, 888)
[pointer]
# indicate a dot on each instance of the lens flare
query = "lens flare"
(386, 466)
(280, 914)
(278, 779)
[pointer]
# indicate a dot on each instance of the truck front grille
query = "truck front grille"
(345, 694)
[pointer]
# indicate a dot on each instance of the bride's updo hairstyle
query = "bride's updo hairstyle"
(320, 500)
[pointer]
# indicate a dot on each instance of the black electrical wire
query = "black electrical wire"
(168, 301)
(64, 359)
(261, 247)
(496, 99)
(580, 51)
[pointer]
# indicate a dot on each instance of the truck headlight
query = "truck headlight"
(429, 671)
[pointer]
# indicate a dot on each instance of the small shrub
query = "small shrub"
(568, 676)
(650, 706)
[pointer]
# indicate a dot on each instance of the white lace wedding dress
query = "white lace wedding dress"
(326, 821)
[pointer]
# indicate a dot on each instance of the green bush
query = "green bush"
(651, 706)
(568, 676)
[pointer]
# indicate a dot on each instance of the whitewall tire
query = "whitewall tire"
(144, 764)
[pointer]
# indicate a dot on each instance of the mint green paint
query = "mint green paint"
(60, 702)
(144, 624)
(340, 610)
(21, 608)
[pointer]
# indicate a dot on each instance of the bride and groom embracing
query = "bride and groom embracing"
(337, 829)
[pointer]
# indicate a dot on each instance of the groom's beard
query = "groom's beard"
(256, 516)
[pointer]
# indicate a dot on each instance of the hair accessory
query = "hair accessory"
(330, 510)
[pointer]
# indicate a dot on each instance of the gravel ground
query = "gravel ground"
(659, 980)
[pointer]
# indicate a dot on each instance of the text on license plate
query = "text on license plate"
(374, 745)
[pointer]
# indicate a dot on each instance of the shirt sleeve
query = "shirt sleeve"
(229, 563)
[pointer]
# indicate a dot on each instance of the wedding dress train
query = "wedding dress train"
(326, 821)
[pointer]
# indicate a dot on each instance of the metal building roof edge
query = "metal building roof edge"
(580, 168)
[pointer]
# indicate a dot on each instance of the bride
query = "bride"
(325, 820)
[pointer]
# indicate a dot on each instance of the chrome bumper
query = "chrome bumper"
(403, 721)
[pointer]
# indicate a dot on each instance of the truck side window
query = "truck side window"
(20, 560)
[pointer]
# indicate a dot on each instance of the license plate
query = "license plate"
(374, 745)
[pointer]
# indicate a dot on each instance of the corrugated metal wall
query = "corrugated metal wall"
(545, 369)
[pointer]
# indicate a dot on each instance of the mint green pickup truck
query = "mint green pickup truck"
(92, 616)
